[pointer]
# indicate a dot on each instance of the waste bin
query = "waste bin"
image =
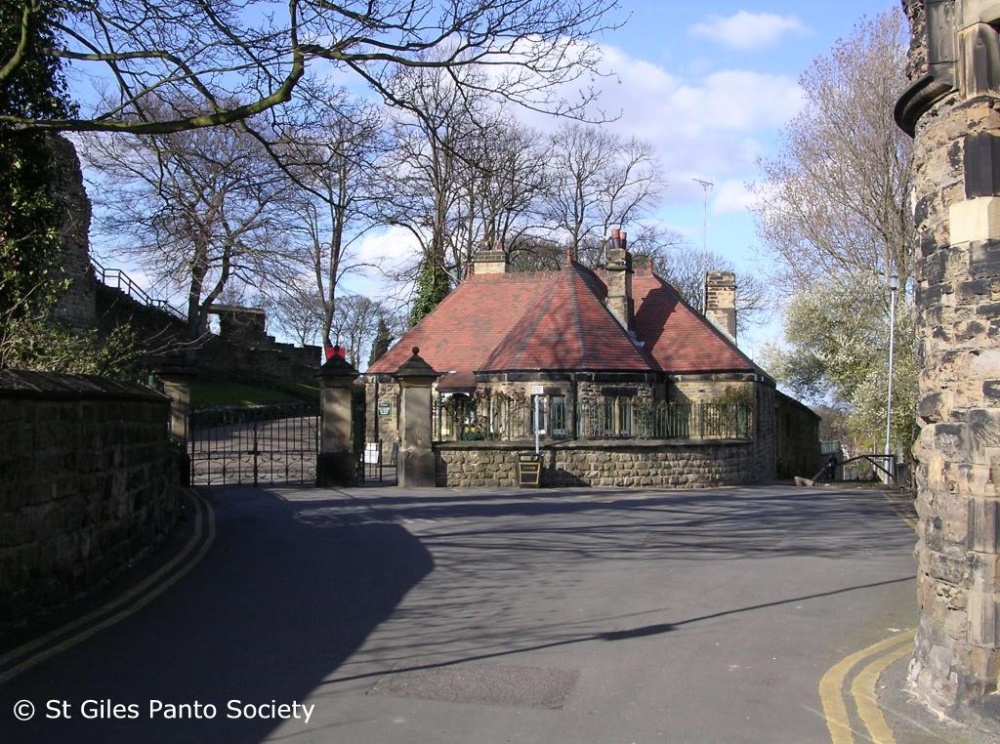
(529, 470)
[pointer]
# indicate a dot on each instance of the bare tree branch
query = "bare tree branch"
(235, 59)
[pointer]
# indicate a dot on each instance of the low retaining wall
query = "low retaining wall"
(632, 464)
(88, 484)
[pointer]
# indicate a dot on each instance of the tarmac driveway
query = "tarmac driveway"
(379, 615)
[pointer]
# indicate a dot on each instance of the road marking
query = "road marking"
(866, 699)
(831, 687)
(863, 685)
(130, 602)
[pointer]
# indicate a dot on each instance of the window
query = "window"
(624, 417)
(557, 415)
(608, 416)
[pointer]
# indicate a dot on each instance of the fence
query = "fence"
(264, 444)
(464, 419)
(118, 279)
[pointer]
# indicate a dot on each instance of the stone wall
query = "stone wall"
(87, 484)
(632, 464)
(155, 328)
(765, 441)
(221, 357)
(76, 307)
(952, 108)
(796, 438)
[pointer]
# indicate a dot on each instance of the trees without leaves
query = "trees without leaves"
(201, 209)
(426, 164)
(835, 198)
(234, 59)
(685, 269)
(597, 181)
(463, 175)
(356, 324)
(333, 168)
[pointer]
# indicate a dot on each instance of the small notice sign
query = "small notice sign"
(384, 409)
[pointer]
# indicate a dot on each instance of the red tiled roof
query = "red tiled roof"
(567, 328)
(462, 331)
(556, 320)
(677, 336)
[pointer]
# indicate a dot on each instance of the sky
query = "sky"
(711, 85)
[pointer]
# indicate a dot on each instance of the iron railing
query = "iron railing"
(461, 419)
(118, 279)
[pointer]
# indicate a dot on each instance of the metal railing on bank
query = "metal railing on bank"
(118, 279)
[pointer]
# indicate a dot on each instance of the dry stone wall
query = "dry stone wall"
(87, 484)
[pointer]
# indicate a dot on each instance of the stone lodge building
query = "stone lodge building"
(629, 384)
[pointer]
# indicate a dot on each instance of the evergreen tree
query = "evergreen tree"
(381, 343)
(32, 212)
(433, 285)
(30, 84)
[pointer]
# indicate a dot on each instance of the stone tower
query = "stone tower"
(952, 108)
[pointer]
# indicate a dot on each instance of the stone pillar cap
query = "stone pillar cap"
(416, 367)
(337, 366)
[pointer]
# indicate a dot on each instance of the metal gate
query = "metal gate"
(374, 468)
(263, 445)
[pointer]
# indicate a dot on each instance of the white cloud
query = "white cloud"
(746, 31)
(713, 127)
(377, 255)
(732, 196)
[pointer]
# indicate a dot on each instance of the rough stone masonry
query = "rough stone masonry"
(951, 109)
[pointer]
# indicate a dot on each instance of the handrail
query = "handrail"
(118, 279)
(887, 466)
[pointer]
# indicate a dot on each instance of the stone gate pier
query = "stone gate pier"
(952, 109)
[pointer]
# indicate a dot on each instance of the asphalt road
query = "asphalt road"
(378, 615)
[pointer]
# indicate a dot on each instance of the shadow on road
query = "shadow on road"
(694, 525)
(278, 604)
(287, 602)
(499, 549)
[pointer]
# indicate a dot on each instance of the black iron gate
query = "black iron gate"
(374, 466)
(263, 445)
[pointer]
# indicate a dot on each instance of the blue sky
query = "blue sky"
(711, 84)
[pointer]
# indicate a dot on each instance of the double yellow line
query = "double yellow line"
(38, 650)
(862, 694)
(869, 663)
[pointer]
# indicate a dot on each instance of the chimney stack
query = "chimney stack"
(619, 279)
(489, 261)
(720, 301)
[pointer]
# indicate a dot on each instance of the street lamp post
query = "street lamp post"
(893, 285)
